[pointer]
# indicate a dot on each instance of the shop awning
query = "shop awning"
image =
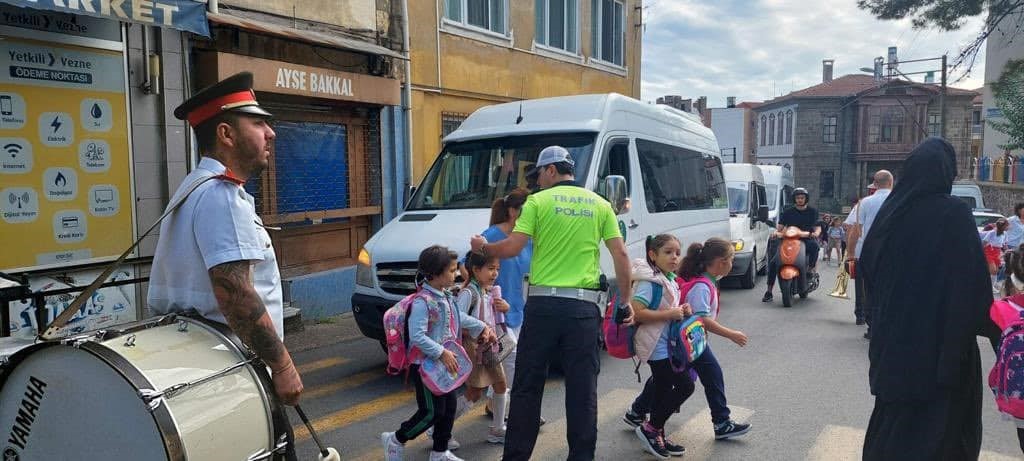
(316, 38)
(186, 15)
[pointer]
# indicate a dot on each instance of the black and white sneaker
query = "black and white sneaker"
(652, 441)
(671, 448)
(730, 429)
(767, 298)
(633, 419)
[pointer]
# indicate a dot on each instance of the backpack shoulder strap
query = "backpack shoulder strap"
(656, 293)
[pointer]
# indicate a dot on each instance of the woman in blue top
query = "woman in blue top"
(504, 212)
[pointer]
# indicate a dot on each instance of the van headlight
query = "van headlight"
(364, 271)
(737, 245)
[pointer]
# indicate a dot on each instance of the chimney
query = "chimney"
(826, 70)
(701, 106)
(730, 102)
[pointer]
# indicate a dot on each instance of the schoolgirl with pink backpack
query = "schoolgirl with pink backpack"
(1006, 379)
(423, 338)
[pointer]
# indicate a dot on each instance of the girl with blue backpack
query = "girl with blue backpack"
(656, 304)
(434, 324)
(699, 273)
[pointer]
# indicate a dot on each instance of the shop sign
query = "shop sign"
(282, 77)
(65, 170)
(187, 15)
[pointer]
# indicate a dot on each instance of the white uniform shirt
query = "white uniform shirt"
(867, 210)
(216, 224)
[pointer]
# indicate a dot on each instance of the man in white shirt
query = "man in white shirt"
(1015, 233)
(861, 218)
(214, 256)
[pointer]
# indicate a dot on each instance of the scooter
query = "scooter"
(794, 277)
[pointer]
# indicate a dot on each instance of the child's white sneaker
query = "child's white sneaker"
(452, 443)
(392, 447)
(496, 436)
(445, 456)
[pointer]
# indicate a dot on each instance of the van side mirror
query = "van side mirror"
(614, 188)
(762, 213)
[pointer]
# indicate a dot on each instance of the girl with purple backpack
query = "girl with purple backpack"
(707, 263)
(656, 303)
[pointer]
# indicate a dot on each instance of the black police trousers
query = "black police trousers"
(566, 330)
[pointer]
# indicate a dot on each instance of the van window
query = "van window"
(787, 196)
(739, 193)
(616, 162)
(676, 178)
(472, 174)
(762, 197)
(773, 197)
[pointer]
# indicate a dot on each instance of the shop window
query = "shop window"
(606, 28)
(675, 178)
(556, 24)
(484, 14)
(310, 169)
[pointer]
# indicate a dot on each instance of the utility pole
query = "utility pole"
(942, 101)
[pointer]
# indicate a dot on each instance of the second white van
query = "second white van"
(748, 221)
(669, 160)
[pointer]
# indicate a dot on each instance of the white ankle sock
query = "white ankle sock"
(499, 410)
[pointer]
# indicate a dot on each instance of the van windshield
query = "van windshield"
(739, 197)
(471, 174)
(773, 194)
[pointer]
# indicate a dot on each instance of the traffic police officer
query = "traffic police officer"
(562, 319)
(214, 256)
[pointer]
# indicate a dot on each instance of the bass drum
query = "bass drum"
(172, 388)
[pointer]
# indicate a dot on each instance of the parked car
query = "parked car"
(748, 221)
(983, 218)
(669, 160)
(970, 193)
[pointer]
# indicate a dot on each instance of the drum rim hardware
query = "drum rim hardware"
(154, 398)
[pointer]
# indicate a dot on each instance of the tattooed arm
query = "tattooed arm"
(248, 318)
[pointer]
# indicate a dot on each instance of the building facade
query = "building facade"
(835, 135)
(1002, 45)
(467, 54)
(735, 130)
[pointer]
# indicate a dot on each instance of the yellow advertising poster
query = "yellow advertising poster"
(65, 169)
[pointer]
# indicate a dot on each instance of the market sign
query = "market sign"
(186, 15)
(287, 78)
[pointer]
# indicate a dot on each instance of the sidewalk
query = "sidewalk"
(323, 332)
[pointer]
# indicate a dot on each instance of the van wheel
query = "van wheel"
(749, 277)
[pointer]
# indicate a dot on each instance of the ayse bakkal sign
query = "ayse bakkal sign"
(287, 78)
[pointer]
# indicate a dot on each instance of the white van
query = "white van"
(669, 160)
(970, 193)
(778, 181)
(748, 221)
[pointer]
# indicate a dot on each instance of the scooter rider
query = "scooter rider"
(805, 217)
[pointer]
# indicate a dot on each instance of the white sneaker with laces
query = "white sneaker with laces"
(392, 447)
(446, 456)
(452, 443)
(496, 436)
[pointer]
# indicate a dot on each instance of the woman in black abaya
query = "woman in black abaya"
(930, 291)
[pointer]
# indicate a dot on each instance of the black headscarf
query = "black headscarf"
(927, 280)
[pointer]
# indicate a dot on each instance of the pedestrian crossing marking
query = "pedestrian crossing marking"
(697, 434)
(342, 418)
(346, 383)
(320, 365)
(844, 443)
(551, 441)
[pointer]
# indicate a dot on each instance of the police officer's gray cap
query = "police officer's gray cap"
(551, 155)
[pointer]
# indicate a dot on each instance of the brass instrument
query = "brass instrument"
(842, 280)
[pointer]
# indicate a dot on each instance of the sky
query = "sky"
(758, 49)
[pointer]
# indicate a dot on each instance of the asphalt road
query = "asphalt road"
(801, 381)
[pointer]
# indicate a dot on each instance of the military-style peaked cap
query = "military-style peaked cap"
(231, 94)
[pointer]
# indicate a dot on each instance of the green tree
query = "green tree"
(1009, 96)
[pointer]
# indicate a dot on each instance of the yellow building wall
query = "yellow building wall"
(473, 73)
(355, 14)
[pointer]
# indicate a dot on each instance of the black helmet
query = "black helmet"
(801, 191)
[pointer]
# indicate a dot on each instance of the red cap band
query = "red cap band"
(215, 106)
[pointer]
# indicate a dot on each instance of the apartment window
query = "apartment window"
(828, 183)
(771, 130)
(789, 127)
(764, 129)
(485, 14)
(829, 128)
(782, 127)
(607, 19)
(450, 122)
(676, 178)
(886, 126)
(556, 24)
(934, 124)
